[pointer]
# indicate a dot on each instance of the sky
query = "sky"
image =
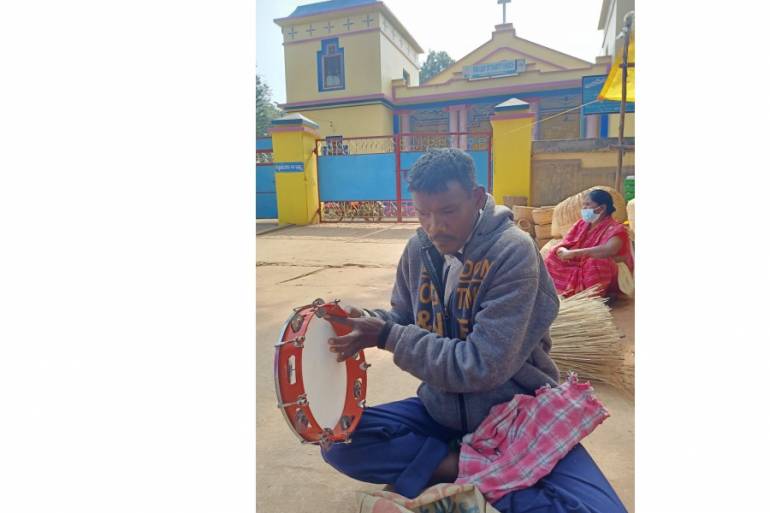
(455, 26)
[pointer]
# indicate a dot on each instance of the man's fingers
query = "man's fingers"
(345, 346)
(343, 341)
(346, 353)
(351, 310)
(338, 319)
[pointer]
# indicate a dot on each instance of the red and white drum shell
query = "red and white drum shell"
(321, 399)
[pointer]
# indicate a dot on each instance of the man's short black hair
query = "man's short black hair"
(437, 167)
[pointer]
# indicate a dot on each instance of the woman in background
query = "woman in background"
(589, 253)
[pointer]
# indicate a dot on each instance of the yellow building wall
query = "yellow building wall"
(614, 120)
(393, 62)
(595, 159)
(505, 38)
(511, 156)
(355, 121)
(296, 193)
(362, 68)
(532, 78)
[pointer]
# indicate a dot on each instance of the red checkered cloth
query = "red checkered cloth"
(522, 441)
(581, 273)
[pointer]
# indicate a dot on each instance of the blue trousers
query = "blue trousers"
(399, 444)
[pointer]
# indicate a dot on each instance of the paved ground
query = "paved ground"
(356, 263)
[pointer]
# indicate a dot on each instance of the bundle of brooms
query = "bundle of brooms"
(586, 341)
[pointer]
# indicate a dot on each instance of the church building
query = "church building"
(353, 68)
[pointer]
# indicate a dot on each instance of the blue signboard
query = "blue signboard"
(592, 86)
(289, 167)
(495, 69)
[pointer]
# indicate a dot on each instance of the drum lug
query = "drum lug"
(318, 302)
(296, 322)
(357, 388)
(361, 403)
(298, 342)
(326, 439)
(364, 366)
(301, 401)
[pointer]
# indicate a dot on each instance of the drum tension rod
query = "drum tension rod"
(301, 401)
(298, 342)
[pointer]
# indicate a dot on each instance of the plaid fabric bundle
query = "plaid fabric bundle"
(521, 441)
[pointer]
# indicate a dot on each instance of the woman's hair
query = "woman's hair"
(601, 197)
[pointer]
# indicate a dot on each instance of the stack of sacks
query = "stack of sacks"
(567, 212)
(542, 217)
(522, 216)
(511, 201)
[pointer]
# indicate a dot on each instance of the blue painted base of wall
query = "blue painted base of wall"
(267, 206)
(373, 176)
(357, 177)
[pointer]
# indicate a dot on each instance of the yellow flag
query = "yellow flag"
(612, 89)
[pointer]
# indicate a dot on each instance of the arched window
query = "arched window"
(331, 66)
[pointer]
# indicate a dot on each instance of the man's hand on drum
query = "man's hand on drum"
(365, 331)
(352, 310)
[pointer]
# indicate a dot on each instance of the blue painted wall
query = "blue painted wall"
(480, 160)
(373, 177)
(267, 208)
(357, 177)
(604, 126)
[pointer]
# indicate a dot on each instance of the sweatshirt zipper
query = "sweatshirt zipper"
(434, 275)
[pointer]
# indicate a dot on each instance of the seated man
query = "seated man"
(590, 251)
(472, 306)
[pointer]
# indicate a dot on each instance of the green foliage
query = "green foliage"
(434, 64)
(266, 108)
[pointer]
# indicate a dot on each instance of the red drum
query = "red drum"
(320, 398)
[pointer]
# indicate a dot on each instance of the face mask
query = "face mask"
(588, 215)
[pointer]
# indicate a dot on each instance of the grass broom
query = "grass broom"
(586, 341)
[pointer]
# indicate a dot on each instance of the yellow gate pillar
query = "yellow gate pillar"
(296, 169)
(512, 149)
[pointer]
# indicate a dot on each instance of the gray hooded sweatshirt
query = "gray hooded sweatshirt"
(492, 342)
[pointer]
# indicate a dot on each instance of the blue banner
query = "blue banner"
(592, 86)
(495, 69)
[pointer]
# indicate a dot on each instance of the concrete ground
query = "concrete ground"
(356, 263)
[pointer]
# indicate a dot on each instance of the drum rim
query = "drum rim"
(276, 379)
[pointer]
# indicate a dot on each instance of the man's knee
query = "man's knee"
(337, 456)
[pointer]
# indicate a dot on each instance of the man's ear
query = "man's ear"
(479, 197)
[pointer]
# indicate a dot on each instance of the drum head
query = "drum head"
(324, 378)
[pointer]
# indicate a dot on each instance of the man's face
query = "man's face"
(448, 217)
